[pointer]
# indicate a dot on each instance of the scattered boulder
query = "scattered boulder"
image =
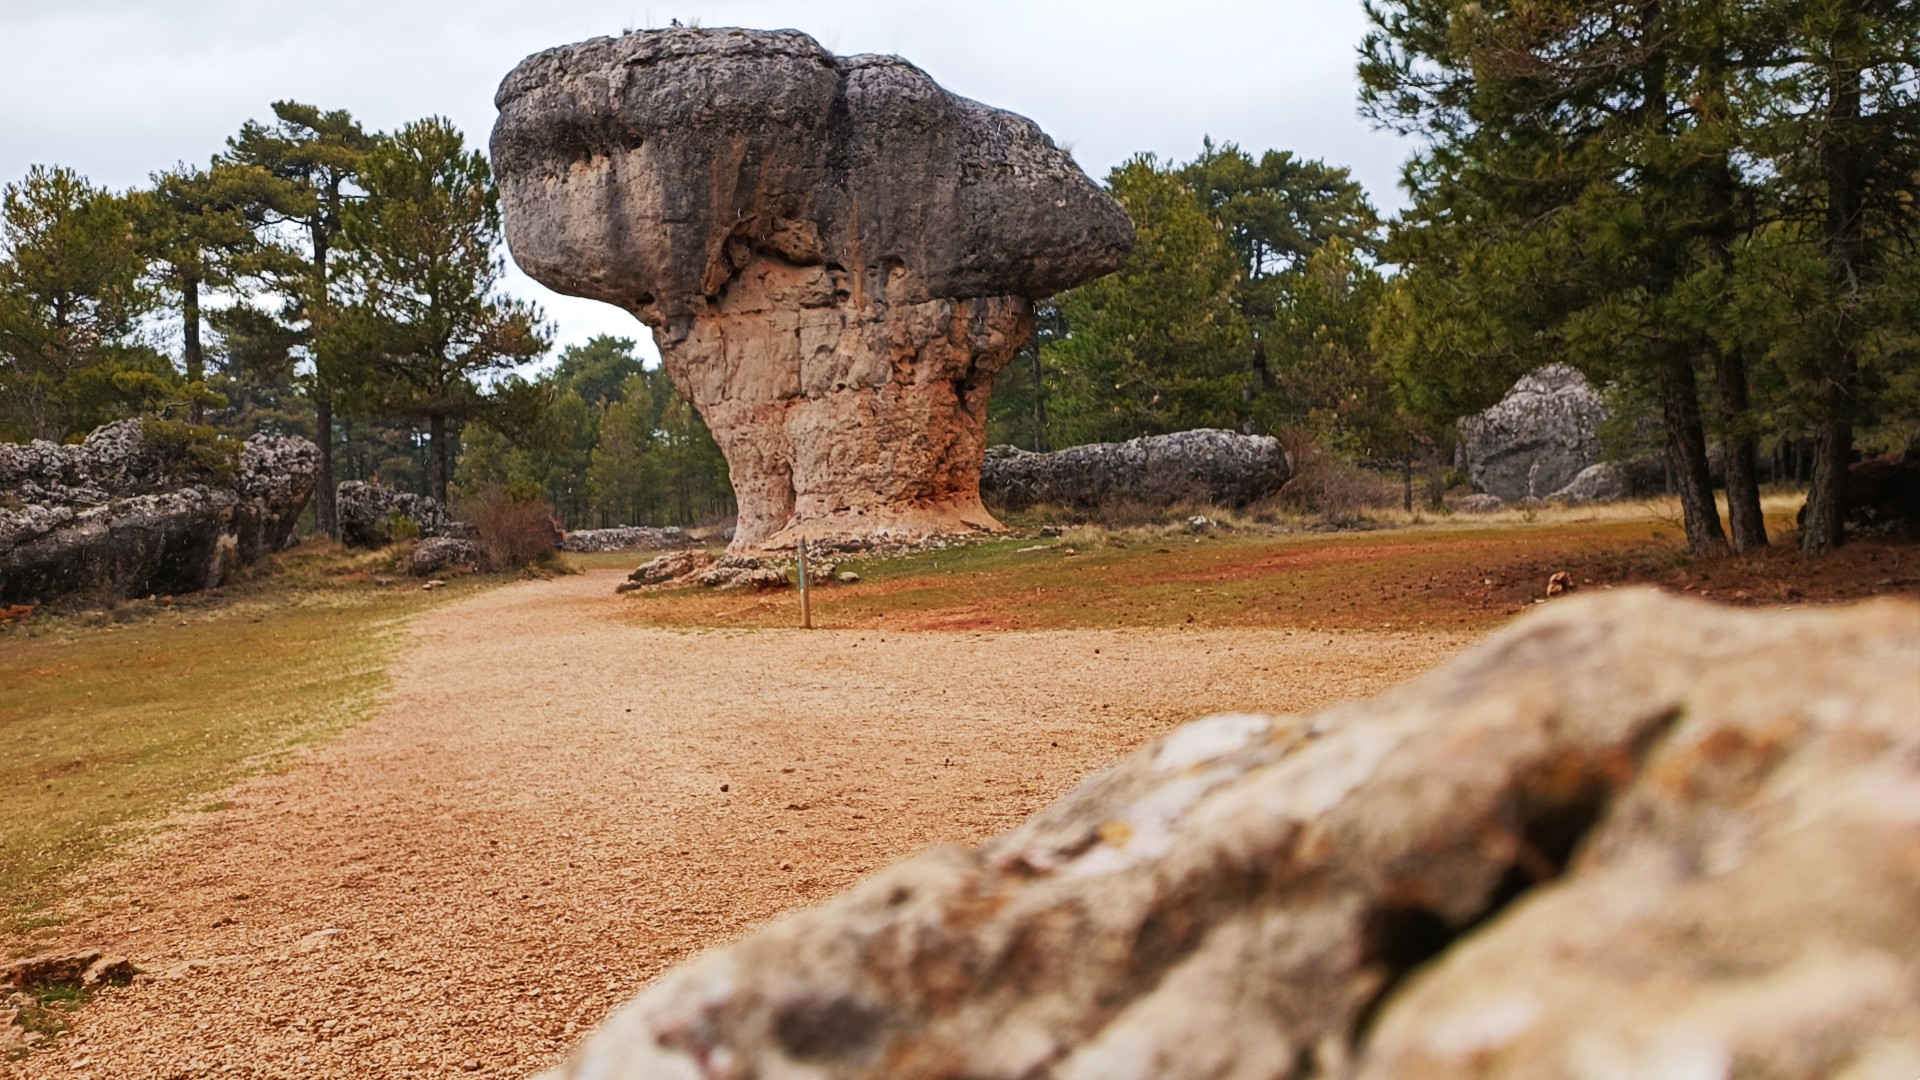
(734, 571)
(835, 254)
(145, 507)
(626, 538)
(369, 515)
(440, 554)
(85, 967)
(666, 569)
(1630, 835)
(1479, 503)
(685, 569)
(1210, 466)
(1537, 439)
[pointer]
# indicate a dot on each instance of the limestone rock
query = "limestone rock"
(1628, 836)
(129, 513)
(626, 538)
(1206, 466)
(1479, 503)
(439, 554)
(835, 254)
(1534, 441)
(368, 514)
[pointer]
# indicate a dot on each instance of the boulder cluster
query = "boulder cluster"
(142, 508)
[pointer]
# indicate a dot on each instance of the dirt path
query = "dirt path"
(553, 805)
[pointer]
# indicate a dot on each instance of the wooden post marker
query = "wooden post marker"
(806, 598)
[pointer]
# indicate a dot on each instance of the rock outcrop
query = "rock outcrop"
(626, 538)
(369, 515)
(134, 510)
(835, 255)
(1628, 836)
(1534, 441)
(1208, 466)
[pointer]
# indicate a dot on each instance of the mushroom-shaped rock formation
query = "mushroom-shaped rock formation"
(835, 254)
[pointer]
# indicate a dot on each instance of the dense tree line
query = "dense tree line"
(1711, 209)
(319, 279)
(1712, 203)
(1249, 303)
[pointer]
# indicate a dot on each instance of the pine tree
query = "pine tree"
(72, 299)
(427, 321)
(194, 230)
(316, 154)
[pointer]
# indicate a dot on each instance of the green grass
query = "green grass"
(113, 717)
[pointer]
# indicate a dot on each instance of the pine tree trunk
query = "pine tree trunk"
(1744, 517)
(1687, 454)
(437, 472)
(1824, 524)
(195, 358)
(1824, 520)
(326, 507)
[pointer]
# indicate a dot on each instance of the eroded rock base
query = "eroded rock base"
(845, 416)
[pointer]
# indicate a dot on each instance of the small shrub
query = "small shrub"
(401, 528)
(193, 451)
(510, 533)
(1336, 491)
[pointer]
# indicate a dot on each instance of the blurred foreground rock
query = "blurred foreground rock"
(1203, 467)
(1629, 836)
(140, 509)
(836, 256)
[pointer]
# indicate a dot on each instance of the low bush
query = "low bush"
(1334, 490)
(510, 533)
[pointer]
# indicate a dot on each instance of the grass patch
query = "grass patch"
(115, 716)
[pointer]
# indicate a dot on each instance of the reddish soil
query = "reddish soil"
(1459, 579)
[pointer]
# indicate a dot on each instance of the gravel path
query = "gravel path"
(554, 805)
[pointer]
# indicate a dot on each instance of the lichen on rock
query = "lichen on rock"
(143, 507)
(835, 254)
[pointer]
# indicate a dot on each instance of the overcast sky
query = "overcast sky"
(119, 88)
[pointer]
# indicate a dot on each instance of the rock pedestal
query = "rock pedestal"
(836, 256)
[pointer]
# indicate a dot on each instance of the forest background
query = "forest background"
(1709, 209)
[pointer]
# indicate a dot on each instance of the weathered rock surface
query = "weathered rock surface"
(1221, 468)
(367, 514)
(441, 554)
(1480, 503)
(128, 515)
(1628, 836)
(836, 255)
(626, 538)
(1534, 441)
